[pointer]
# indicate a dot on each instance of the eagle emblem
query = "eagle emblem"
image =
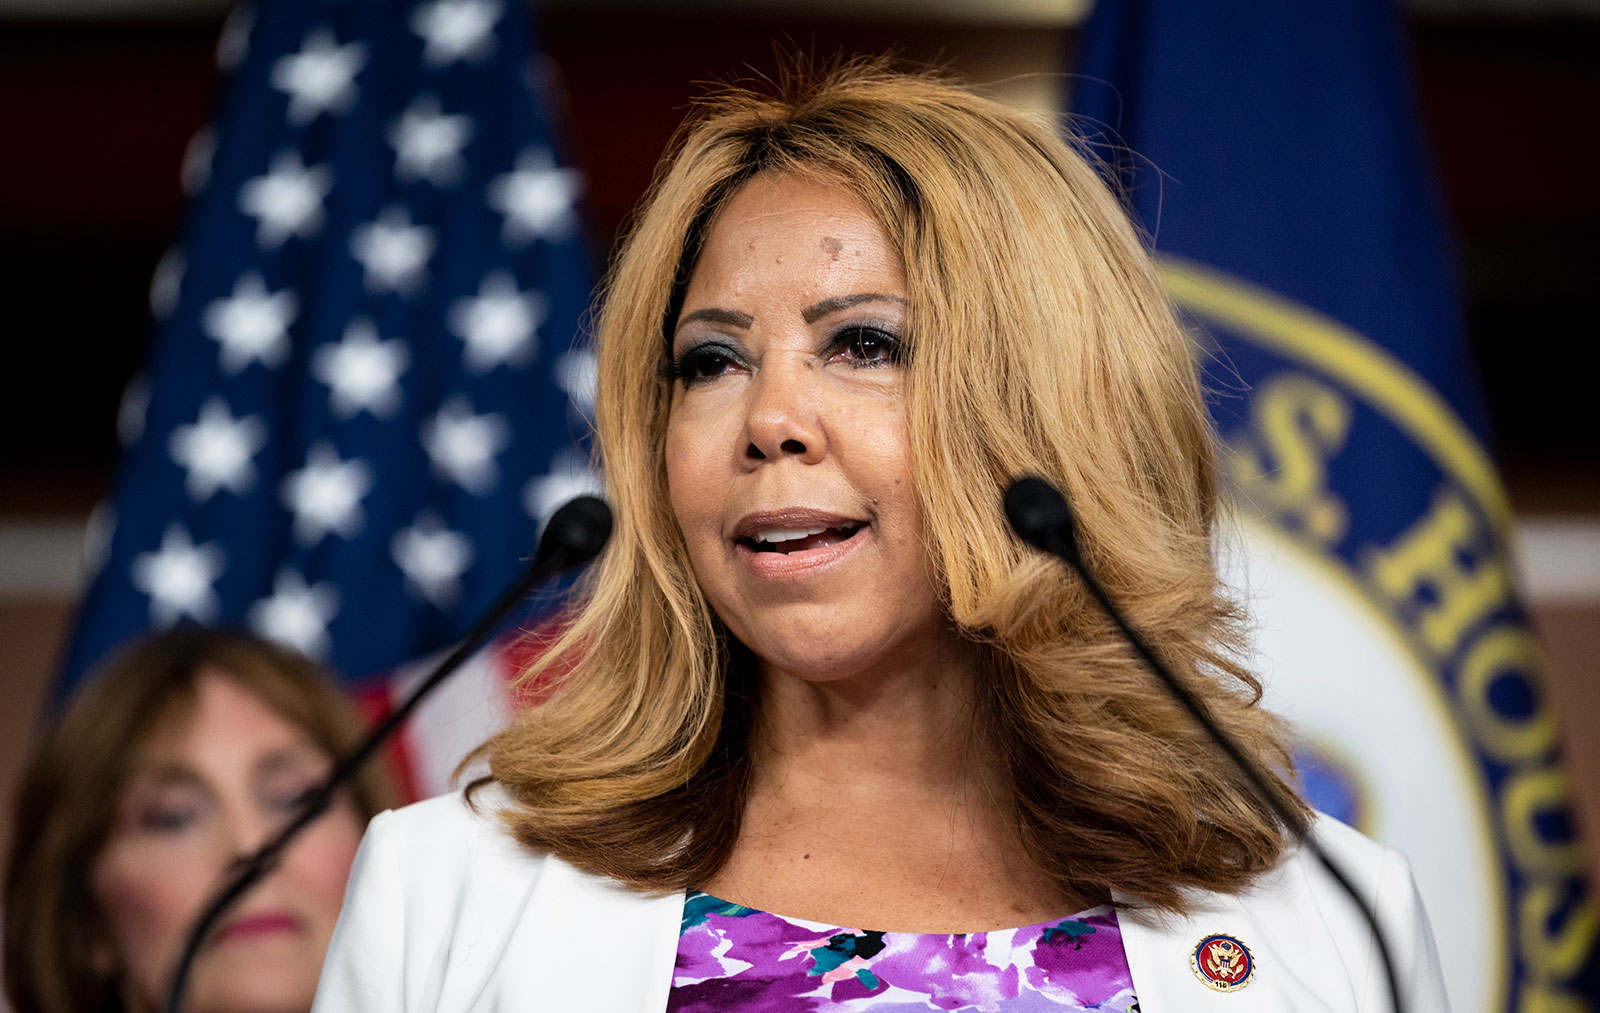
(1222, 962)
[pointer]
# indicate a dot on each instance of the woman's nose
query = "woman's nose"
(784, 417)
(247, 832)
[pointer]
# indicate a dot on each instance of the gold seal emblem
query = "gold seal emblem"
(1222, 962)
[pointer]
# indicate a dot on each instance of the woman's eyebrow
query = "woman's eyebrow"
(293, 758)
(811, 314)
(163, 774)
(731, 318)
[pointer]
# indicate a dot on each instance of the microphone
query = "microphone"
(1040, 516)
(574, 535)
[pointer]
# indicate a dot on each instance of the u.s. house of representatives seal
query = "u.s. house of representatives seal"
(1370, 542)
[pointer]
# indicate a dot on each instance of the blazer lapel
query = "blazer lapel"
(595, 945)
(1160, 946)
(1297, 963)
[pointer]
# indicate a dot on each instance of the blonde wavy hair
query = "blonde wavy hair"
(1041, 342)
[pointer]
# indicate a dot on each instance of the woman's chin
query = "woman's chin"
(840, 657)
(264, 977)
(815, 652)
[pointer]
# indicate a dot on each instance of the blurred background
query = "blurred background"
(101, 97)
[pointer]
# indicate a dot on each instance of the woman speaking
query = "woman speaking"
(824, 734)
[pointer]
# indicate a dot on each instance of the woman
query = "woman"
(178, 758)
(832, 738)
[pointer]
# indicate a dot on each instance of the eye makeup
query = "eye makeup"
(857, 344)
(167, 804)
(701, 362)
(866, 346)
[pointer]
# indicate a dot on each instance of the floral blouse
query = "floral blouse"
(733, 958)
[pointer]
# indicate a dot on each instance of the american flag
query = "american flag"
(362, 397)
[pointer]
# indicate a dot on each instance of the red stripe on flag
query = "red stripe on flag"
(522, 651)
(375, 700)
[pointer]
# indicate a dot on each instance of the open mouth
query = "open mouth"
(787, 540)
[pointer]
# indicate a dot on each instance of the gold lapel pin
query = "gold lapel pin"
(1222, 962)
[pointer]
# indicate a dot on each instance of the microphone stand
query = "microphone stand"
(575, 534)
(1039, 514)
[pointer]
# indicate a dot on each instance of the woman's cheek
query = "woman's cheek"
(146, 904)
(321, 859)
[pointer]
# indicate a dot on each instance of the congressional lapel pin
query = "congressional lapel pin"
(1222, 962)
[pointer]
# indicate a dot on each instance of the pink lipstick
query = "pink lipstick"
(257, 926)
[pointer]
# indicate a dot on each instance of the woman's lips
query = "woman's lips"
(801, 556)
(256, 926)
(787, 540)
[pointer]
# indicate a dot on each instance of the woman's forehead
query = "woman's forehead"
(217, 712)
(788, 227)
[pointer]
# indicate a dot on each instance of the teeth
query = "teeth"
(776, 535)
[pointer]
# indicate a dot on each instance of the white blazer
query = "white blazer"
(445, 911)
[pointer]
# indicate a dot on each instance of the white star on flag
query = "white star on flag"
(132, 409)
(569, 476)
(433, 558)
(287, 201)
(233, 45)
(393, 252)
(166, 283)
(321, 78)
(578, 374)
(251, 325)
(325, 496)
(363, 373)
(296, 615)
(216, 450)
(537, 198)
(454, 30)
(178, 578)
(462, 445)
(498, 324)
(97, 532)
(428, 143)
(195, 170)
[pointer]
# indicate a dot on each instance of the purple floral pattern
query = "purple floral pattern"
(733, 958)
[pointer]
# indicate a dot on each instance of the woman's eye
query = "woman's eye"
(868, 346)
(290, 796)
(167, 819)
(298, 800)
(704, 362)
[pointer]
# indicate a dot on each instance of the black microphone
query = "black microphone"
(575, 534)
(1039, 514)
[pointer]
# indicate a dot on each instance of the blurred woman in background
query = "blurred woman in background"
(170, 765)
